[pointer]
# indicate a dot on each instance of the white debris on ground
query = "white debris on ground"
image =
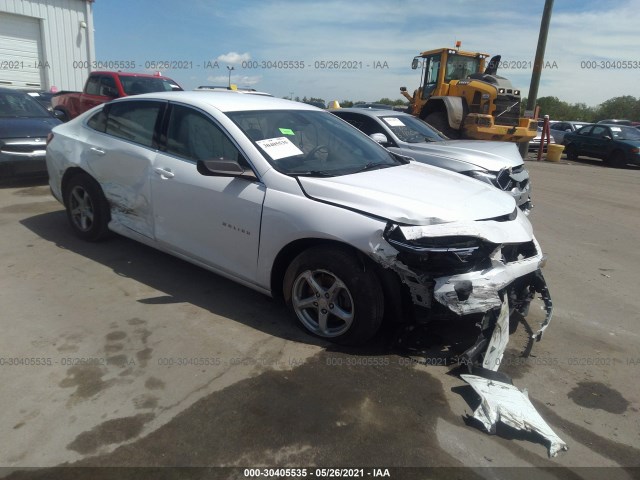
(501, 402)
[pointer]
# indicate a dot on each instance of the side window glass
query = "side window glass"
(371, 126)
(134, 121)
(585, 131)
(598, 132)
(93, 86)
(98, 121)
(431, 75)
(194, 136)
(108, 87)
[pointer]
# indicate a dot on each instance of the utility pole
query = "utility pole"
(537, 66)
(230, 70)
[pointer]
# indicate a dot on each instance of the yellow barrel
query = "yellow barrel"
(554, 152)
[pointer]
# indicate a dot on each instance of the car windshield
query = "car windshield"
(625, 133)
(314, 143)
(412, 130)
(136, 85)
(18, 104)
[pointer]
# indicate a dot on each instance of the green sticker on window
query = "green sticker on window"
(286, 131)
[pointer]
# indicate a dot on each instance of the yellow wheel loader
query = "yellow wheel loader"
(464, 98)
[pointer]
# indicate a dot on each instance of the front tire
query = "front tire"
(334, 296)
(87, 208)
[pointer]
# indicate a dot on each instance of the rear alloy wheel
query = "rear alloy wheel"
(87, 208)
(571, 151)
(439, 121)
(334, 296)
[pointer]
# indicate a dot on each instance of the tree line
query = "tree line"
(624, 107)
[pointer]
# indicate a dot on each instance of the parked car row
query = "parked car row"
(24, 126)
(295, 203)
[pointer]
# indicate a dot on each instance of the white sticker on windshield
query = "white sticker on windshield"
(280, 147)
(616, 129)
(393, 121)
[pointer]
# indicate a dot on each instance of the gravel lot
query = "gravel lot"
(130, 357)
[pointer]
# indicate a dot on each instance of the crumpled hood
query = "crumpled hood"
(492, 156)
(414, 194)
(19, 127)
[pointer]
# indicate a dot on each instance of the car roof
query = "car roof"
(617, 121)
(372, 112)
(11, 90)
(130, 74)
(225, 101)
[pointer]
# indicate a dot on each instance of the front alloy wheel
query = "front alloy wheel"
(323, 303)
(334, 294)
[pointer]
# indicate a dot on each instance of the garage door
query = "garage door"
(20, 52)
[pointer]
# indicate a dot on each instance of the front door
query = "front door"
(212, 219)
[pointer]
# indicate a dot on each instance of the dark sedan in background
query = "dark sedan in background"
(24, 126)
(617, 145)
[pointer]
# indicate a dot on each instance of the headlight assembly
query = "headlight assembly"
(441, 255)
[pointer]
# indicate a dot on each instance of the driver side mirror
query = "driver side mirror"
(607, 137)
(380, 138)
(415, 64)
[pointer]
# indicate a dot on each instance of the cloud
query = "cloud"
(234, 58)
(240, 80)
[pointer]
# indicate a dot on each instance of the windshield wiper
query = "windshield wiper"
(373, 166)
(313, 173)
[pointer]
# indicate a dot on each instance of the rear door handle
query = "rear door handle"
(164, 173)
(97, 150)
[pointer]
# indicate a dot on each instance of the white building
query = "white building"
(46, 43)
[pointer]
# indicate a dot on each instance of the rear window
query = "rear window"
(19, 104)
(133, 121)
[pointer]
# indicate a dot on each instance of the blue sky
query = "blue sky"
(196, 34)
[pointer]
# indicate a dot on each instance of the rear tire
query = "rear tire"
(439, 121)
(571, 151)
(334, 296)
(87, 208)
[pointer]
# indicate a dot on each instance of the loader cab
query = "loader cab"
(440, 67)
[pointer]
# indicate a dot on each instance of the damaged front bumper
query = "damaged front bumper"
(486, 271)
(491, 268)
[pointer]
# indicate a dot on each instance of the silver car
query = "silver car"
(560, 128)
(289, 200)
(496, 163)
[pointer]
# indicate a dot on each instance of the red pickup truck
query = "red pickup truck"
(102, 87)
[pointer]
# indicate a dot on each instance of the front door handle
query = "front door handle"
(164, 173)
(97, 150)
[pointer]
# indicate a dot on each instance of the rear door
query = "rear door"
(119, 152)
(596, 144)
(212, 219)
(580, 140)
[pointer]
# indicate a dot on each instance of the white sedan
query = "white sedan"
(291, 201)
